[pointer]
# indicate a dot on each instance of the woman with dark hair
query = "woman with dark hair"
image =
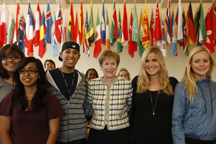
(30, 114)
(91, 74)
(10, 55)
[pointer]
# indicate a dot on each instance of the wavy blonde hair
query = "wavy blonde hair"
(143, 78)
(124, 69)
(190, 83)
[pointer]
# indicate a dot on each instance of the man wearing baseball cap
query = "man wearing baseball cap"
(70, 87)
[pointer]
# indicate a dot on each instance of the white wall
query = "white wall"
(174, 64)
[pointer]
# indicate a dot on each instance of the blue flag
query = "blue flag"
(174, 41)
(54, 48)
(21, 36)
(48, 24)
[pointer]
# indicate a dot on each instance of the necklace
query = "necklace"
(69, 91)
(153, 108)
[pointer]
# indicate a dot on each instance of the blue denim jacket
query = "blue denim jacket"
(195, 119)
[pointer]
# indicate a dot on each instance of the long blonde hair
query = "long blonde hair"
(190, 82)
(143, 78)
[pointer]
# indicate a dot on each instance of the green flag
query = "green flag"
(135, 31)
(90, 34)
(202, 30)
(119, 45)
(10, 30)
(114, 28)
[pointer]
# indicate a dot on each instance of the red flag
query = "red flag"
(209, 40)
(76, 30)
(132, 45)
(97, 48)
(18, 17)
(152, 29)
(4, 25)
(213, 21)
(58, 28)
(124, 40)
(158, 35)
(37, 26)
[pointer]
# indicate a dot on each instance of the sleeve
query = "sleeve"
(6, 105)
(88, 102)
(178, 114)
(55, 109)
(173, 82)
(129, 93)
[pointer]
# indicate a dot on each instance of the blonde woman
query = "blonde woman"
(152, 101)
(194, 109)
(123, 72)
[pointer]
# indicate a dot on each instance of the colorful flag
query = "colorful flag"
(29, 32)
(209, 40)
(11, 27)
(90, 34)
(119, 45)
(43, 43)
(124, 39)
(145, 26)
(180, 24)
(103, 27)
(141, 48)
(97, 48)
(18, 17)
(58, 28)
(152, 29)
(169, 24)
(48, 24)
(71, 24)
(202, 28)
(190, 25)
(86, 43)
(64, 35)
(174, 41)
(132, 45)
(21, 32)
(37, 26)
(163, 45)
(196, 25)
(135, 30)
(114, 28)
(185, 41)
(107, 32)
(4, 25)
(54, 47)
(81, 26)
(213, 21)
(76, 32)
(158, 35)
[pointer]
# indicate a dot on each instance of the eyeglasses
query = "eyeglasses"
(13, 57)
(30, 71)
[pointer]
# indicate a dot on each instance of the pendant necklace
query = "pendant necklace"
(153, 108)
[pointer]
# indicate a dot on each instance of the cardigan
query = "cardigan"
(109, 103)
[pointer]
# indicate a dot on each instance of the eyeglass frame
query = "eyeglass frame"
(35, 71)
(10, 57)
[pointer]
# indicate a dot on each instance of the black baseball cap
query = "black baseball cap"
(69, 44)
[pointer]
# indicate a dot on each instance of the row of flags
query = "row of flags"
(42, 29)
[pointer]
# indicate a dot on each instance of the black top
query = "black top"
(59, 80)
(146, 127)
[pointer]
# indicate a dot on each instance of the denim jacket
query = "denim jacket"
(196, 119)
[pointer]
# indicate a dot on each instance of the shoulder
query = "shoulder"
(173, 81)
(51, 97)
(122, 80)
(135, 79)
(180, 85)
(8, 98)
(95, 81)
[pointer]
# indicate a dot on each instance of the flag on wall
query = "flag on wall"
(17, 24)
(11, 28)
(97, 48)
(202, 28)
(124, 39)
(64, 35)
(86, 43)
(54, 48)
(48, 24)
(169, 24)
(190, 25)
(114, 28)
(103, 27)
(107, 32)
(132, 45)
(21, 34)
(158, 35)
(185, 41)
(209, 40)
(180, 24)
(135, 30)
(58, 28)
(90, 34)
(213, 21)
(81, 26)
(119, 45)
(76, 32)
(71, 24)
(37, 26)
(43, 43)
(141, 48)
(174, 41)
(196, 25)
(163, 46)
(4, 25)
(145, 26)
(152, 29)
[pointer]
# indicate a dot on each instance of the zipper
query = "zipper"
(68, 121)
(209, 111)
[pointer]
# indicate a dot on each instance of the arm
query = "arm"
(5, 125)
(88, 102)
(54, 130)
(178, 115)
